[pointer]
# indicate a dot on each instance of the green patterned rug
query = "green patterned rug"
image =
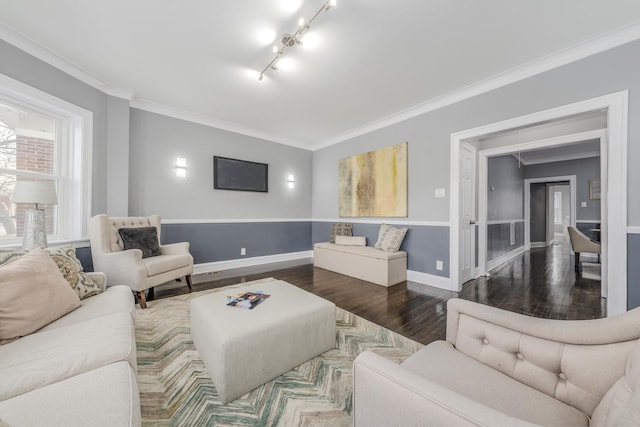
(176, 390)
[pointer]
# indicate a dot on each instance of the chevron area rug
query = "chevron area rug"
(176, 390)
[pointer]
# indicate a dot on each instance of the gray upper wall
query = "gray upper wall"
(155, 143)
(584, 170)
(429, 134)
(25, 68)
(505, 195)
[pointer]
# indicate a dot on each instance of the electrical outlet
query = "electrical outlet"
(439, 265)
(583, 204)
(243, 251)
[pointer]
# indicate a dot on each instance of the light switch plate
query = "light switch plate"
(440, 193)
(583, 204)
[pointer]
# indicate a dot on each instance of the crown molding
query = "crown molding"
(559, 158)
(582, 50)
(566, 56)
(37, 50)
(177, 113)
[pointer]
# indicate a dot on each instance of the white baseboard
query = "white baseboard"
(504, 258)
(430, 280)
(210, 267)
(538, 244)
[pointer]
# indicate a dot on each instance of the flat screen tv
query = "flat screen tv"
(240, 175)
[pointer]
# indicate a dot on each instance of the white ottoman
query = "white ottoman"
(243, 349)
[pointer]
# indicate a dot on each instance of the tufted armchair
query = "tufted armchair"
(498, 368)
(127, 267)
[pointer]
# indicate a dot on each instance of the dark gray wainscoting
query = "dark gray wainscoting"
(633, 271)
(424, 244)
(222, 241)
(499, 239)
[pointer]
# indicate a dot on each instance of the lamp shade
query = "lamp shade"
(40, 192)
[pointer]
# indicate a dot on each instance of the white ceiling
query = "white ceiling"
(375, 59)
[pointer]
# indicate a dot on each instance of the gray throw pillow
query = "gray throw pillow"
(143, 238)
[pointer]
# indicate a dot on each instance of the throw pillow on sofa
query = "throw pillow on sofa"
(68, 264)
(71, 269)
(33, 293)
(143, 238)
(390, 238)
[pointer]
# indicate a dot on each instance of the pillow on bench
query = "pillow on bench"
(390, 238)
(340, 229)
(351, 240)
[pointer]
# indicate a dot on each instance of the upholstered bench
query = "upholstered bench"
(362, 262)
(243, 349)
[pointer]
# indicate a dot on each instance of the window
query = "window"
(43, 138)
(557, 207)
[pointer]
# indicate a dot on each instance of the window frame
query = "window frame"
(74, 159)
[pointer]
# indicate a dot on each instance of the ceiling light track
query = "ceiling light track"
(290, 40)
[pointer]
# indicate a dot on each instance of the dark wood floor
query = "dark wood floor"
(540, 283)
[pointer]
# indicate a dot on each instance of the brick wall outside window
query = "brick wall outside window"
(34, 155)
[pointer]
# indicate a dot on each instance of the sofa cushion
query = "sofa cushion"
(441, 363)
(143, 238)
(340, 229)
(47, 357)
(68, 264)
(104, 397)
(390, 238)
(163, 263)
(33, 293)
(116, 299)
(621, 405)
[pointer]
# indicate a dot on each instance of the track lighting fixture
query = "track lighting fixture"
(290, 40)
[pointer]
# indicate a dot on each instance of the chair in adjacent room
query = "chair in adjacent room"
(581, 243)
(128, 251)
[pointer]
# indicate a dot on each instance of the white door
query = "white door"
(467, 212)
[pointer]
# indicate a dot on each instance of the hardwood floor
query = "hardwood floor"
(540, 283)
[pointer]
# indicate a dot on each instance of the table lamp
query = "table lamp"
(35, 226)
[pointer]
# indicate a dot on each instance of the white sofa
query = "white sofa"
(498, 368)
(78, 370)
(362, 262)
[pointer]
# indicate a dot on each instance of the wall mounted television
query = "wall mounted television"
(240, 175)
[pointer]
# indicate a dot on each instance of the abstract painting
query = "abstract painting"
(374, 184)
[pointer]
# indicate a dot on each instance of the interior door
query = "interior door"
(467, 212)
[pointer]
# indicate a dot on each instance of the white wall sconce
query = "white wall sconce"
(181, 167)
(291, 181)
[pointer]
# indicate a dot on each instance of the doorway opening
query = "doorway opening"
(613, 143)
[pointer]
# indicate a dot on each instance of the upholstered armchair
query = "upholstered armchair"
(498, 368)
(581, 243)
(127, 266)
